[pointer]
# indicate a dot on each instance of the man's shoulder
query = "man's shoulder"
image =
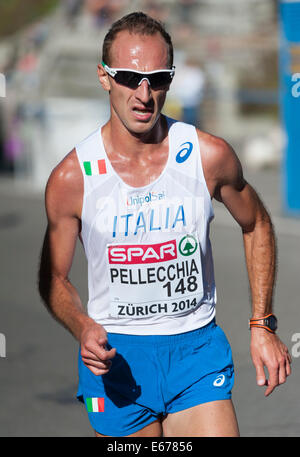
(67, 170)
(219, 159)
(65, 184)
(214, 145)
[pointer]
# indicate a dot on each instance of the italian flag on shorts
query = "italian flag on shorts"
(95, 167)
(95, 405)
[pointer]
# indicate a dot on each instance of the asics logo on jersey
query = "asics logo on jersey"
(185, 152)
(219, 381)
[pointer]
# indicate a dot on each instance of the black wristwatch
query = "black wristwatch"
(268, 322)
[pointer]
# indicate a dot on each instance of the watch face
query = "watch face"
(272, 322)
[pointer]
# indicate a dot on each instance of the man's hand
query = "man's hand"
(93, 349)
(268, 350)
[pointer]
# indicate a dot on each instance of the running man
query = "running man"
(138, 193)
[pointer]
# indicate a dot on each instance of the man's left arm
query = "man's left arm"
(260, 251)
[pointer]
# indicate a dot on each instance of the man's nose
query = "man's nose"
(143, 91)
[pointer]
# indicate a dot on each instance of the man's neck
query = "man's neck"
(119, 138)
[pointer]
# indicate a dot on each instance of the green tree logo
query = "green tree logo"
(188, 245)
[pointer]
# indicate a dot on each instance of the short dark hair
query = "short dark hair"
(136, 23)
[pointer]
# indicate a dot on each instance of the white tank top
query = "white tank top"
(150, 268)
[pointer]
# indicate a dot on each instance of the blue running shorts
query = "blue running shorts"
(154, 375)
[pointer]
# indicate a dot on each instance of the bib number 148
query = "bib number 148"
(190, 285)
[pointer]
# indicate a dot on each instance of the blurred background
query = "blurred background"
(226, 80)
(232, 81)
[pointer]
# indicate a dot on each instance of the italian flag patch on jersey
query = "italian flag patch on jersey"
(95, 167)
(95, 405)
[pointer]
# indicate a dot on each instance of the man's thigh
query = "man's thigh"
(153, 429)
(215, 418)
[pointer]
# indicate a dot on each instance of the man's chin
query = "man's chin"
(143, 126)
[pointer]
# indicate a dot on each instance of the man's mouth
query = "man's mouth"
(139, 111)
(142, 110)
(142, 113)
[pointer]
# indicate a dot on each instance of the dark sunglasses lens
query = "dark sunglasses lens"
(128, 78)
(131, 79)
(160, 80)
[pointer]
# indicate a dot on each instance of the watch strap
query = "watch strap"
(260, 323)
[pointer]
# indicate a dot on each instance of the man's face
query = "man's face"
(138, 109)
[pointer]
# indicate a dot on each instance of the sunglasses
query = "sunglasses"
(133, 78)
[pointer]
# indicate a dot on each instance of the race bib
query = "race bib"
(155, 279)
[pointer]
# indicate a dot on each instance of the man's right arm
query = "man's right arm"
(63, 201)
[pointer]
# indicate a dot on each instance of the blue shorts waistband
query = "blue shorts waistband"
(160, 339)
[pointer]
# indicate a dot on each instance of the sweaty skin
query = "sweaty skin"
(136, 141)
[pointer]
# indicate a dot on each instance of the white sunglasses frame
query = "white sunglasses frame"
(113, 71)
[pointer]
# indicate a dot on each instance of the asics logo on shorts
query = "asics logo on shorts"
(219, 381)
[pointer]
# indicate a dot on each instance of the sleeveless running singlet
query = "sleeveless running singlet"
(150, 268)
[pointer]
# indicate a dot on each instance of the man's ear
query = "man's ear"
(103, 77)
